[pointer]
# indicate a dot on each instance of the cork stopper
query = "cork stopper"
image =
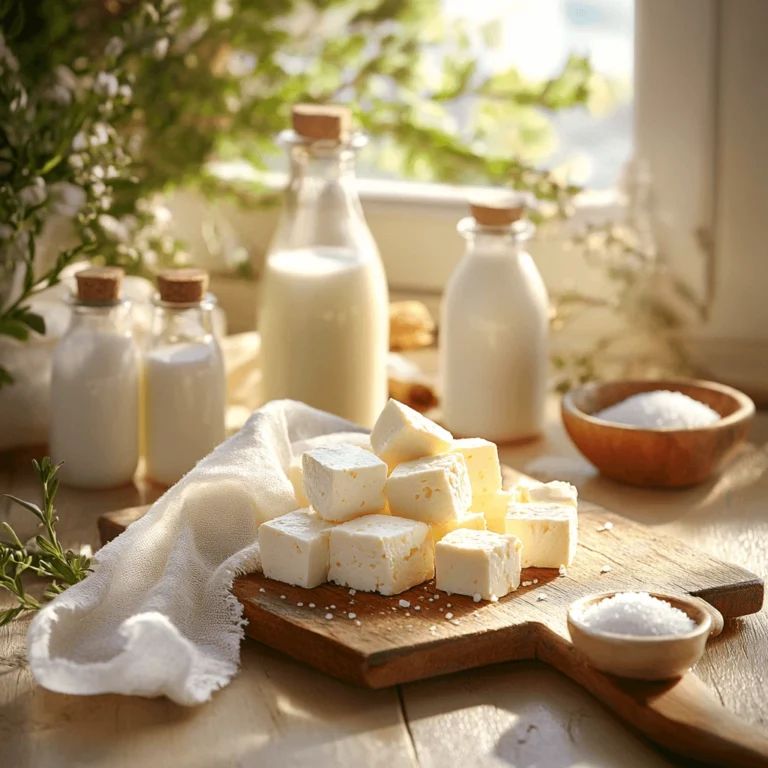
(499, 212)
(321, 122)
(99, 285)
(182, 286)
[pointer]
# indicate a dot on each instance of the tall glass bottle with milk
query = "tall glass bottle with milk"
(184, 384)
(324, 308)
(94, 426)
(494, 331)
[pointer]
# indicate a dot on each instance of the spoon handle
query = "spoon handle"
(681, 715)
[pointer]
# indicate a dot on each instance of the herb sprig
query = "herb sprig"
(49, 561)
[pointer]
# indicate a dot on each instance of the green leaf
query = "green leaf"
(6, 379)
(6, 617)
(32, 320)
(50, 165)
(33, 508)
(14, 328)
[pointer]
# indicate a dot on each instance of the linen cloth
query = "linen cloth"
(157, 617)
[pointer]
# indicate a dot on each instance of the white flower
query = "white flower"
(114, 47)
(113, 228)
(21, 100)
(112, 172)
(68, 198)
(222, 10)
(106, 85)
(34, 194)
(79, 143)
(100, 135)
(98, 188)
(160, 48)
(59, 94)
(98, 172)
(126, 92)
(66, 77)
(76, 161)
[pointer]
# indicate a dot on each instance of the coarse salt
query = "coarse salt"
(636, 613)
(300, 605)
(660, 409)
(311, 605)
(329, 616)
(352, 615)
(607, 526)
(449, 615)
(404, 604)
(605, 569)
(563, 571)
(477, 597)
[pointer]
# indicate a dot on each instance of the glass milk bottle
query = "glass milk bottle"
(324, 309)
(494, 331)
(184, 383)
(94, 426)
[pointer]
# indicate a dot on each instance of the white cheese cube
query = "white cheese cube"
(402, 434)
(478, 563)
(494, 507)
(475, 521)
(294, 548)
(549, 533)
(360, 439)
(555, 492)
(381, 553)
(482, 457)
(296, 476)
(344, 481)
(434, 489)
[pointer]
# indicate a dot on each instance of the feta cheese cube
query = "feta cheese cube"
(381, 553)
(344, 481)
(555, 492)
(478, 562)
(549, 533)
(482, 457)
(475, 521)
(434, 489)
(402, 434)
(296, 476)
(294, 548)
(494, 507)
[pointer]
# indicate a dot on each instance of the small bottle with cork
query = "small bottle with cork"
(94, 425)
(494, 329)
(324, 307)
(184, 387)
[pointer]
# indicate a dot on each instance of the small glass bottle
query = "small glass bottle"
(95, 382)
(324, 309)
(184, 382)
(494, 331)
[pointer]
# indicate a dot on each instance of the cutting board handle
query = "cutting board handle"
(681, 715)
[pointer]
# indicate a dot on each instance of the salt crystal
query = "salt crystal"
(282, 597)
(542, 597)
(535, 581)
(333, 607)
(311, 605)
(660, 409)
(358, 623)
(262, 589)
(352, 615)
(637, 613)
(407, 613)
(448, 605)
(417, 608)
(449, 615)
(563, 570)
(300, 605)
(329, 616)
(404, 604)
(605, 569)
(433, 628)
(477, 597)
(527, 583)
(352, 591)
(494, 599)
(608, 525)
(437, 597)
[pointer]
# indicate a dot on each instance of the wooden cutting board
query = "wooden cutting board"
(436, 635)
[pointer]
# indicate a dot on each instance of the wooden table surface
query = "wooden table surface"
(278, 713)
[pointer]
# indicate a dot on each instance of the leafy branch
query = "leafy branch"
(60, 568)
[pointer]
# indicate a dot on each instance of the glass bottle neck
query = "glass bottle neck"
(96, 318)
(495, 241)
(186, 323)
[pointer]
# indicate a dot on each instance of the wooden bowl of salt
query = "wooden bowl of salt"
(633, 442)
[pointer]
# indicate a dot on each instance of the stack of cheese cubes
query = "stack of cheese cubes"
(412, 503)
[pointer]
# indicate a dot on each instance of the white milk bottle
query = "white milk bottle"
(95, 383)
(324, 311)
(184, 383)
(494, 331)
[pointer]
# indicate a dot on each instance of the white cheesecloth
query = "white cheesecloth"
(156, 617)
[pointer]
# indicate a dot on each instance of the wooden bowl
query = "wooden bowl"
(663, 457)
(659, 657)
